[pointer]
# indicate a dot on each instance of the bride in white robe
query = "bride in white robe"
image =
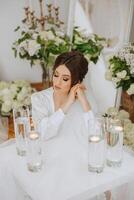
(62, 115)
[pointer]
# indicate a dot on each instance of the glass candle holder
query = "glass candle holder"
(22, 127)
(114, 143)
(34, 151)
(96, 147)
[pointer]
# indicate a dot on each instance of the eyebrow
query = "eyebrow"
(63, 74)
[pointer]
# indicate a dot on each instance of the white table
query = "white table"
(72, 183)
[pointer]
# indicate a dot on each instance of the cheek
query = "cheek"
(67, 86)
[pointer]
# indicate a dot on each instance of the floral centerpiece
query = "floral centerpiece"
(13, 95)
(42, 47)
(90, 45)
(42, 38)
(121, 69)
(128, 126)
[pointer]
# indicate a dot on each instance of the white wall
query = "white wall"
(11, 14)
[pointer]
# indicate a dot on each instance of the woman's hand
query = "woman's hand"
(70, 99)
(82, 97)
(72, 94)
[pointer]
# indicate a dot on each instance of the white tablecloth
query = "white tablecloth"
(58, 178)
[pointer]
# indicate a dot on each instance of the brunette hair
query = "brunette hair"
(76, 63)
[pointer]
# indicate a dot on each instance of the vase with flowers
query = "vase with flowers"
(121, 73)
(42, 39)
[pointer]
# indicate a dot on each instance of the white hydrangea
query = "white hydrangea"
(115, 80)
(14, 95)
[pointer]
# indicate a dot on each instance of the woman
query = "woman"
(62, 114)
(50, 107)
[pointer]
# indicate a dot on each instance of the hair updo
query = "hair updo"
(76, 63)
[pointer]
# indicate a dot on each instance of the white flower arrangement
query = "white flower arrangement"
(42, 47)
(13, 95)
(121, 69)
(128, 126)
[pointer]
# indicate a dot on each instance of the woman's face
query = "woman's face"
(62, 80)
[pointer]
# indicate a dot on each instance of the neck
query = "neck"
(59, 99)
(60, 96)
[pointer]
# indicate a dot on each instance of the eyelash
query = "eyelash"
(63, 78)
(55, 75)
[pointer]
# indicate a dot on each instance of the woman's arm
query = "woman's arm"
(47, 124)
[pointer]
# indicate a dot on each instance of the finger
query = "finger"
(82, 86)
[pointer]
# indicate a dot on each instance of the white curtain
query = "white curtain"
(109, 18)
(102, 90)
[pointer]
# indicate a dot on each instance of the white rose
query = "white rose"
(121, 74)
(108, 75)
(116, 80)
(131, 89)
(33, 47)
(50, 35)
(6, 106)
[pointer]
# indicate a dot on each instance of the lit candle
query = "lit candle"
(118, 128)
(94, 138)
(33, 136)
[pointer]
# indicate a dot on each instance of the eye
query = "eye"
(55, 75)
(65, 79)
